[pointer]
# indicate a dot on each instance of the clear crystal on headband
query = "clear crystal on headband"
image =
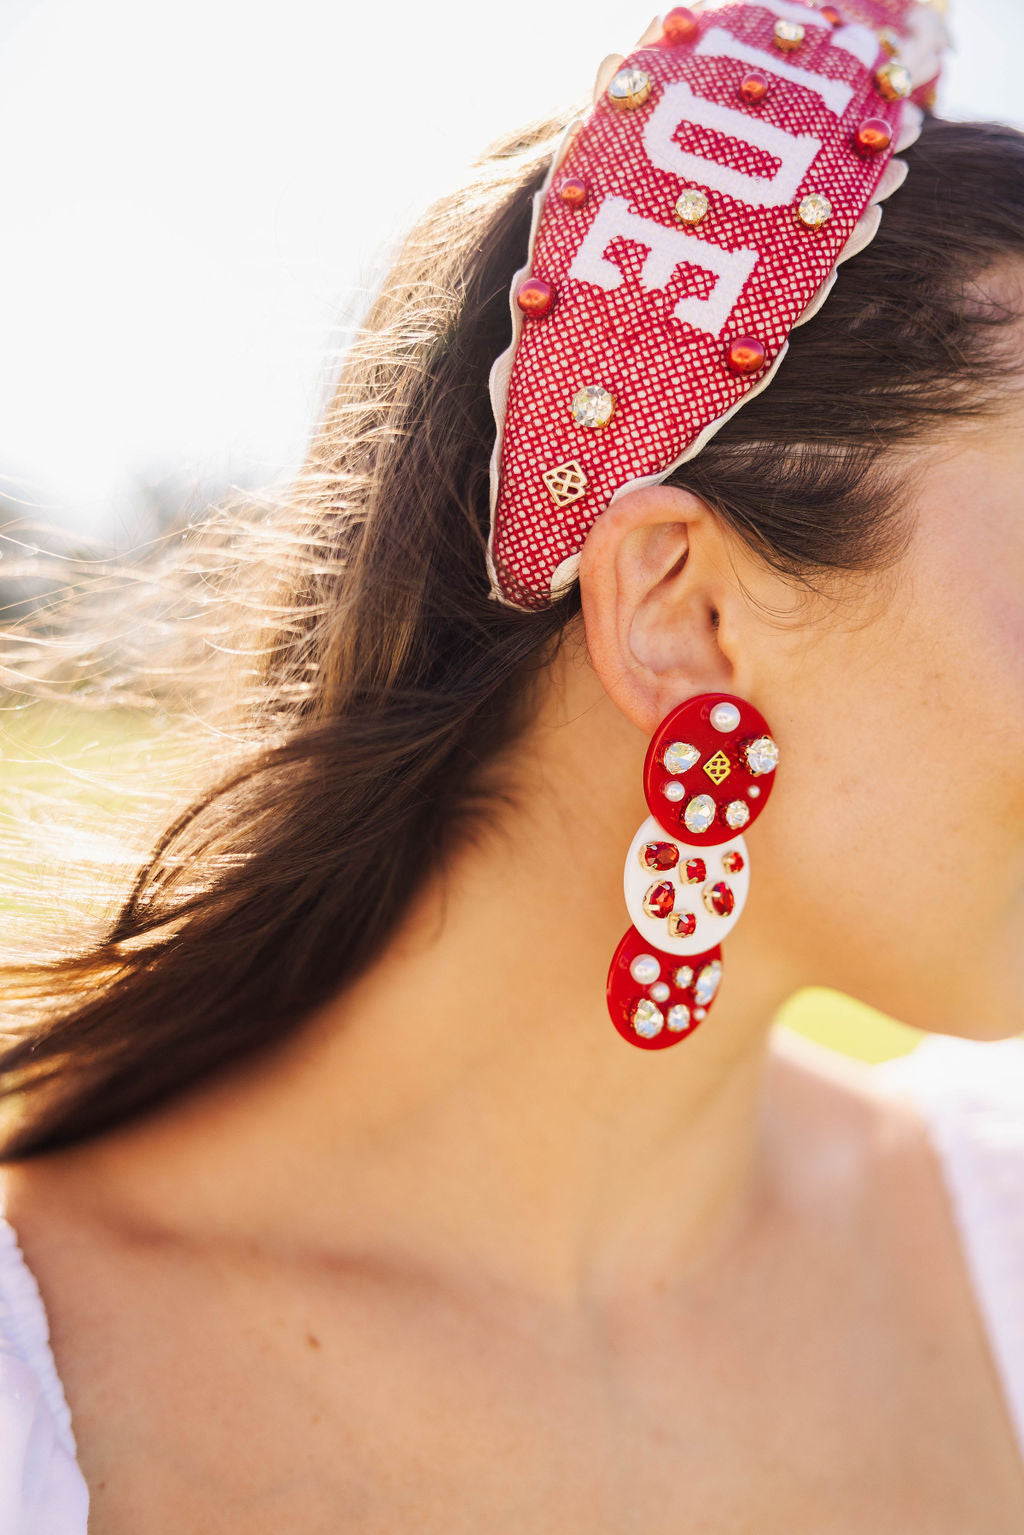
(894, 81)
(788, 35)
(630, 88)
(692, 206)
(814, 210)
(592, 406)
(737, 814)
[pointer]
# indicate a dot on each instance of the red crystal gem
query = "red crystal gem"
(535, 297)
(873, 136)
(719, 899)
(680, 25)
(659, 900)
(682, 924)
(659, 855)
(831, 15)
(573, 191)
(754, 88)
(732, 862)
(696, 871)
(746, 355)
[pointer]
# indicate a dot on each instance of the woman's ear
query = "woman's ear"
(656, 578)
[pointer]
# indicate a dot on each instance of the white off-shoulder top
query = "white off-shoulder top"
(972, 1098)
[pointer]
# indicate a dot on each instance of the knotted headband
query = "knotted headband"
(690, 220)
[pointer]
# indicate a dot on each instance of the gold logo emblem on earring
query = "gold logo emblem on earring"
(566, 483)
(718, 768)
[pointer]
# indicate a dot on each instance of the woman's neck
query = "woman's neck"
(467, 1104)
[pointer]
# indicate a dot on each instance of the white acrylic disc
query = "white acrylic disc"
(687, 898)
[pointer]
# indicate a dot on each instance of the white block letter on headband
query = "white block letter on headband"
(667, 249)
(836, 94)
(679, 105)
(858, 40)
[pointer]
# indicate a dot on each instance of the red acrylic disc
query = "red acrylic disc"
(657, 999)
(710, 769)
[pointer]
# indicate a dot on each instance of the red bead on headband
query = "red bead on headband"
(689, 222)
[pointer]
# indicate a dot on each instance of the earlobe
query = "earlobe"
(651, 591)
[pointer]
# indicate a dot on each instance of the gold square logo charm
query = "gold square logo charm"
(718, 768)
(566, 483)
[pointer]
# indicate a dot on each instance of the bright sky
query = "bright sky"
(192, 193)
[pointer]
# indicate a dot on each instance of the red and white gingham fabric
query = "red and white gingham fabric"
(646, 307)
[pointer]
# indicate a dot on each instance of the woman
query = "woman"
(347, 1205)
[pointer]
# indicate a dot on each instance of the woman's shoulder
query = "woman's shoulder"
(964, 1100)
(971, 1095)
(41, 1486)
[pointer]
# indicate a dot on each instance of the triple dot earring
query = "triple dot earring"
(709, 772)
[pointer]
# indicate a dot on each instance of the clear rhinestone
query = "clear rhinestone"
(692, 206)
(725, 717)
(592, 406)
(707, 982)
(645, 969)
(678, 1017)
(647, 1018)
(674, 790)
(737, 814)
(699, 813)
(762, 756)
(788, 35)
(683, 977)
(630, 87)
(894, 81)
(660, 992)
(680, 757)
(814, 210)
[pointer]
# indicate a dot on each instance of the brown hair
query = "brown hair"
(388, 683)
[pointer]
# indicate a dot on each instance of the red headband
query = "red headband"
(689, 221)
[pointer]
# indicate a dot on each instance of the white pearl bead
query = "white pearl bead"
(674, 790)
(725, 717)
(660, 992)
(645, 969)
(754, 792)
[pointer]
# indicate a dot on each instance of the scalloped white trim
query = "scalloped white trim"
(926, 38)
